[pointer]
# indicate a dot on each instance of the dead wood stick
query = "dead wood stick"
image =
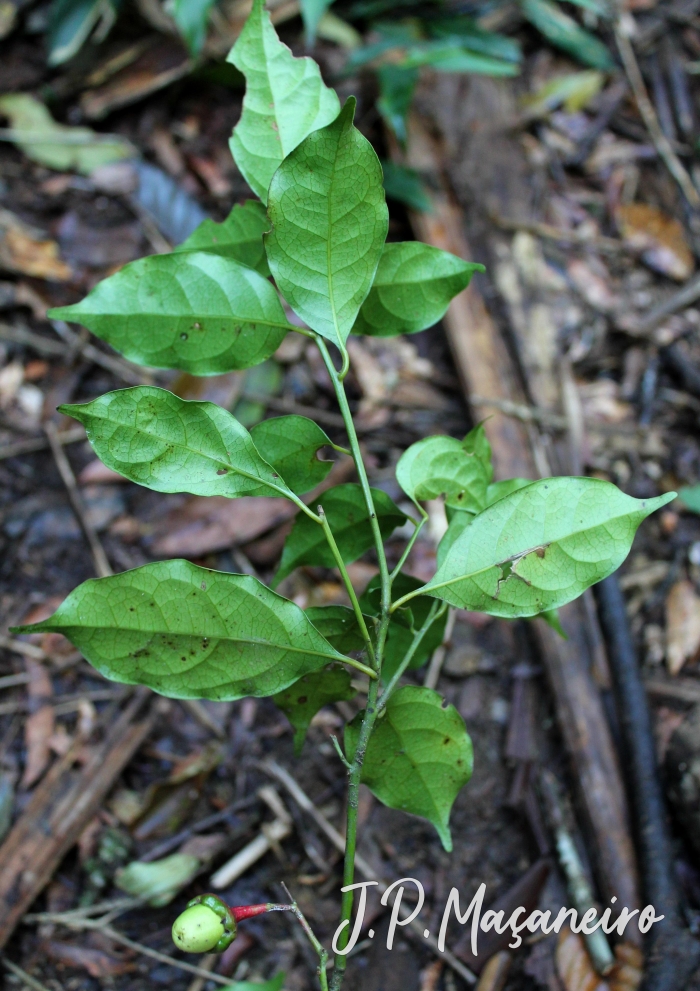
(20, 447)
(646, 109)
(26, 978)
(673, 953)
(60, 808)
(485, 366)
(102, 565)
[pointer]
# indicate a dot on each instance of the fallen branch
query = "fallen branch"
(646, 109)
(673, 953)
(60, 808)
(102, 565)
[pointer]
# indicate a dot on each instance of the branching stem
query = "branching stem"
(437, 609)
(371, 711)
(348, 585)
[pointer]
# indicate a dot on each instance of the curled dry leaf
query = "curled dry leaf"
(682, 625)
(660, 238)
(97, 963)
(576, 971)
(27, 251)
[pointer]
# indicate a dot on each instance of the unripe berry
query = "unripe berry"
(206, 925)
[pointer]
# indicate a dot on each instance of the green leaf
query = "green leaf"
(540, 547)
(442, 465)
(66, 149)
(466, 31)
(302, 700)
(338, 624)
(158, 881)
(192, 17)
(311, 13)
(70, 24)
(459, 520)
(260, 384)
(457, 525)
(187, 632)
(329, 223)
(419, 756)
(285, 100)
(402, 624)
(238, 237)
(291, 445)
(477, 443)
(450, 56)
(347, 516)
(412, 289)
(198, 312)
(406, 186)
(396, 89)
(551, 618)
(690, 497)
(564, 32)
(170, 444)
(498, 490)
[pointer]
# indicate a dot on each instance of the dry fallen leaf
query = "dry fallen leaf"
(39, 727)
(27, 251)
(660, 238)
(629, 969)
(97, 963)
(202, 525)
(682, 625)
(576, 970)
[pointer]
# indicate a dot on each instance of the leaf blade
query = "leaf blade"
(285, 100)
(239, 236)
(188, 632)
(302, 700)
(419, 756)
(412, 289)
(540, 546)
(291, 444)
(169, 444)
(195, 311)
(329, 223)
(442, 465)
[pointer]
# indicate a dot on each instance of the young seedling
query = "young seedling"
(513, 548)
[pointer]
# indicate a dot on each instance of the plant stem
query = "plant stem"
(361, 471)
(311, 936)
(409, 545)
(354, 775)
(437, 609)
(348, 584)
(371, 712)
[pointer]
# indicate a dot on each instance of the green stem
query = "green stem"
(409, 545)
(370, 713)
(354, 775)
(436, 610)
(348, 585)
(361, 471)
(311, 936)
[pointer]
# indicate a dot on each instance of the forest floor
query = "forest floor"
(572, 273)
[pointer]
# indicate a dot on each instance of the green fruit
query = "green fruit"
(203, 929)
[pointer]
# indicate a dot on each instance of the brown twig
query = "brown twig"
(23, 975)
(646, 109)
(102, 565)
(20, 447)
